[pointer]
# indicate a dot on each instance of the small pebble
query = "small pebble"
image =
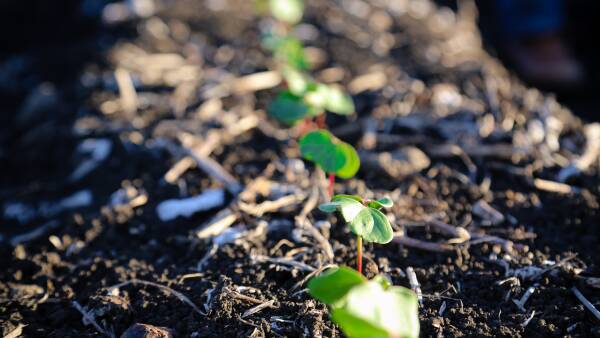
(139, 330)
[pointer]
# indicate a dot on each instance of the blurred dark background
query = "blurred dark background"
(52, 40)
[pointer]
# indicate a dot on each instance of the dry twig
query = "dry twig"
(167, 289)
(586, 302)
(89, 319)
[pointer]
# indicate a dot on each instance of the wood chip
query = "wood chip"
(256, 82)
(129, 100)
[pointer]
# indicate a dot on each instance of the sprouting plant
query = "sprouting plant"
(307, 99)
(367, 309)
(304, 98)
(364, 218)
(335, 157)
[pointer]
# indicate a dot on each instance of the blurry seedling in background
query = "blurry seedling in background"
(335, 157)
(304, 98)
(364, 218)
(367, 309)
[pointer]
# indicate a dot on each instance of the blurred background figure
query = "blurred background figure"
(530, 38)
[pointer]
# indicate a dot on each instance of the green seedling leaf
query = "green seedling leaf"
(286, 49)
(370, 310)
(339, 102)
(317, 146)
(356, 327)
(333, 285)
(351, 163)
(354, 197)
(381, 232)
(363, 223)
(288, 108)
(331, 154)
(364, 220)
(289, 11)
(316, 96)
(297, 82)
(291, 52)
(385, 202)
(348, 207)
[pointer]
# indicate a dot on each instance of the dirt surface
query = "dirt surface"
(474, 168)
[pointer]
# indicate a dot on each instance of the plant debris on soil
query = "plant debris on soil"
(150, 193)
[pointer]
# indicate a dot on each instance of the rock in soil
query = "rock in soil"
(139, 330)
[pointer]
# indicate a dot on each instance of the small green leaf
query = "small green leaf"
(331, 154)
(354, 197)
(356, 327)
(316, 96)
(393, 310)
(351, 161)
(363, 223)
(333, 285)
(382, 231)
(297, 82)
(384, 202)
(289, 11)
(286, 49)
(329, 207)
(288, 108)
(339, 102)
(317, 146)
(348, 207)
(312, 142)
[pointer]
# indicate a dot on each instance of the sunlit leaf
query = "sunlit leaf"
(355, 327)
(370, 310)
(351, 163)
(362, 224)
(339, 102)
(316, 96)
(381, 232)
(331, 286)
(331, 154)
(297, 82)
(288, 108)
(354, 197)
(348, 207)
(289, 11)
(384, 202)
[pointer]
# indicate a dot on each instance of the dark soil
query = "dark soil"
(442, 94)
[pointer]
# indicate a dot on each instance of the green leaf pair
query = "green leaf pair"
(367, 309)
(329, 153)
(363, 217)
(305, 98)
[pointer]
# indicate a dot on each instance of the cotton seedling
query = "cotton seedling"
(335, 157)
(364, 218)
(305, 99)
(367, 308)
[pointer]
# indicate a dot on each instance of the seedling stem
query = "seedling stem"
(331, 182)
(359, 254)
(321, 121)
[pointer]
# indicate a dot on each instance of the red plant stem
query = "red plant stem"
(330, 187)
(305, 126)
(321, 121)
(359, 254)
